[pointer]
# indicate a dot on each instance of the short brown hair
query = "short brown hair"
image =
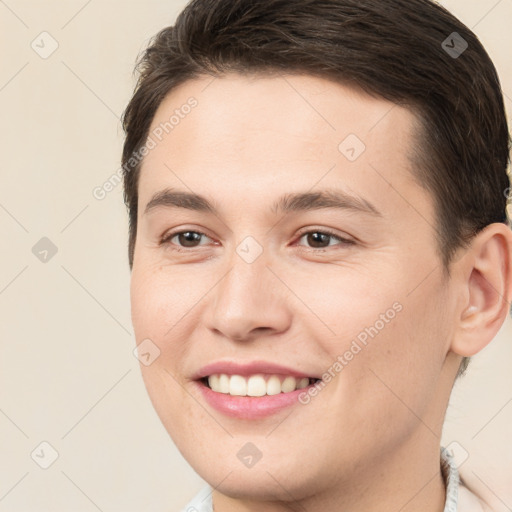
(410, 52)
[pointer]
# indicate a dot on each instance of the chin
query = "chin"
(255, 484)
(273, 477)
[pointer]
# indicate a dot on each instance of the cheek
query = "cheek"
(386, 348)
(386, 318)
(349, 306)
(160, 299)
(157, 305)
(399, 369)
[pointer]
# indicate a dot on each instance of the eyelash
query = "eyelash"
(166, 240)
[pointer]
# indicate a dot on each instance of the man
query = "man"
(318, 243)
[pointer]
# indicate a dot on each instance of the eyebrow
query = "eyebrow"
(296, 202)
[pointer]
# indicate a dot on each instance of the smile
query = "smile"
(251, 390)
(256, 385)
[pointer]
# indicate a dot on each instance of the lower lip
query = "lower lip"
(250, 407)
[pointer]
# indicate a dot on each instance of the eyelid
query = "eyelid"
(326, 231)
(171, 233)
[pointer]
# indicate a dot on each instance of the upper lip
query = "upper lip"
(248, 368)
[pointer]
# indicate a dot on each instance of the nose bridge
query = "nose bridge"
(246, 298)
(243, 289)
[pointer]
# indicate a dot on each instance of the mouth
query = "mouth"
(256, 385)
(252, 390)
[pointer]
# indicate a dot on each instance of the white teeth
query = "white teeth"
(223, 383)
(213, 381)
(255, 385)
(274, 385)
(237, 386)
(289, 384)
(303, 383)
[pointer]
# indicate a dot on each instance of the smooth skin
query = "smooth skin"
(369, 441)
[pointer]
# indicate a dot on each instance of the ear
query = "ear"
(486, 270)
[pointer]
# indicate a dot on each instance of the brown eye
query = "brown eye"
(189, 238)
(322, 239)
(317, 239)
(186, 239)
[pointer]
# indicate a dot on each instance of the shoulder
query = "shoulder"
(470, 502)
(459, 498)
(202, 502)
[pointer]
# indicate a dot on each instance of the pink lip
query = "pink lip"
(249, 407)
(246, 369)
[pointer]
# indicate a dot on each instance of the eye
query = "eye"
(320, 239)
(190, 239)
(183, 239)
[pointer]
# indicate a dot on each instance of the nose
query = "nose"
(249, 302)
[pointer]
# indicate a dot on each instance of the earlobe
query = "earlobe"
(487, 289)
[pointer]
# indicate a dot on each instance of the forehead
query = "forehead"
(264, 133)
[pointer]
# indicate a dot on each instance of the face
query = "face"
(293, 257)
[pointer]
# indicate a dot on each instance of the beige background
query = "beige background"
(67, 372)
